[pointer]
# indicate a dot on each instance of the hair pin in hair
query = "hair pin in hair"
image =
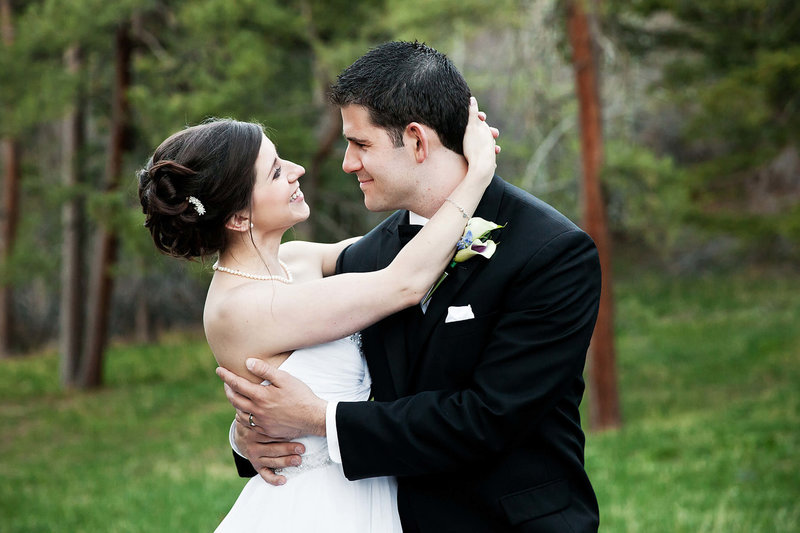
(198, 205)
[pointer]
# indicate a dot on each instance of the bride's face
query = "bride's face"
(277, 201)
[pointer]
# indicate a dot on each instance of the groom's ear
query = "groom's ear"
(417, 138)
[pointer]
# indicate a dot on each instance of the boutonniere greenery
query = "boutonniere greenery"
(474, 241)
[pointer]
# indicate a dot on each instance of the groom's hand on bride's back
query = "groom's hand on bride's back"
(264, 453)
(282, 411)
(287, 408)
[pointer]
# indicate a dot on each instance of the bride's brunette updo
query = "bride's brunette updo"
(195, 181)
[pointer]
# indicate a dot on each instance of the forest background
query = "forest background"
(700, 171)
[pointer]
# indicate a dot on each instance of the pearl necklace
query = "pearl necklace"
(288, 279)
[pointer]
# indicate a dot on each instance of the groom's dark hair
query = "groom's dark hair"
(402, 82)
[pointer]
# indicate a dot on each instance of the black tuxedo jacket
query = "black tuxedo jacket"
(479, 418)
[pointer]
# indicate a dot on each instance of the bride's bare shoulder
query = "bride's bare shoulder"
(313, 257)
(230, 319)
(230, 309)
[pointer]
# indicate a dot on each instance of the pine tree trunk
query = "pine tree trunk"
(143, 320)
(320, 81)
(329, 131)
(104, 257)
(8, 232)
(604, 398)
(71, 306)
(9, 213)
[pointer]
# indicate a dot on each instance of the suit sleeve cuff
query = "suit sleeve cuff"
(231, 435)
(332, 435)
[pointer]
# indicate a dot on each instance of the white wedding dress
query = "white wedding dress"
(317, 497)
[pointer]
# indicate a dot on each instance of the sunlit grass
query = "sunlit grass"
(147, 452)
(710, 380)
(709, 374)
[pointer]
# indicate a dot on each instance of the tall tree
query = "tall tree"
(101, 282)
(604, 397)
(328, 127)
(9, 215)
(71, 306)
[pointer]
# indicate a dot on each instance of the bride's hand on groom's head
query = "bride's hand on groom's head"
(474, 114)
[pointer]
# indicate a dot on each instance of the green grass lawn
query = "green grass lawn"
(147, 452)
(710, 382)
(709, 377)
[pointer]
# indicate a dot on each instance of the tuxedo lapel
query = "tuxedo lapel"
(393, 329)
(488, 209)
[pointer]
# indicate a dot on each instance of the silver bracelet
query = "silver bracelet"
(463, 213)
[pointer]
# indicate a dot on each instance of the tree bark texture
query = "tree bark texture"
(101, 283)
(329, 125)
(9, 213)
(71, 307)
(9, 218)
(604, 412)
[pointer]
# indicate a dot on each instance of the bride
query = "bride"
(221, 188)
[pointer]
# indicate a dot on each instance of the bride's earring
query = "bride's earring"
(251, 225)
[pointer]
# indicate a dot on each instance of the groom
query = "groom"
(476, 397)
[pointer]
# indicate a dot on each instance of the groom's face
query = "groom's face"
(386, 173)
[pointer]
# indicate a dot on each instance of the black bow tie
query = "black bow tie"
(406, 232)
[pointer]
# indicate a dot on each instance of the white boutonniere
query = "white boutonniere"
(474, 241)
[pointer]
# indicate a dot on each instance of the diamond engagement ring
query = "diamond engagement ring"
(252, 424)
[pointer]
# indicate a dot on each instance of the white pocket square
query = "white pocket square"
(457, 313)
